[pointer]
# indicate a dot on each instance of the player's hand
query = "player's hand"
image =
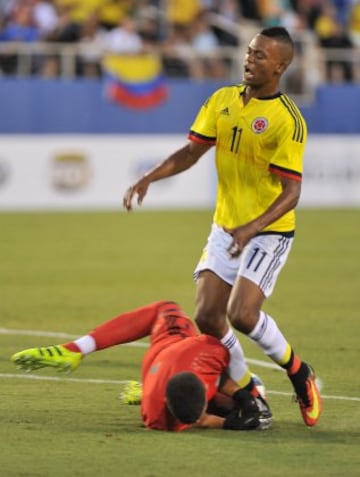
(245, 401)
(236, 422)
(139, 189)
(245, 416)
(241, 236)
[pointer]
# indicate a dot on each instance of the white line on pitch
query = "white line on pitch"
(54, 334)
(139, 344)
(120, 382)
(64, 379)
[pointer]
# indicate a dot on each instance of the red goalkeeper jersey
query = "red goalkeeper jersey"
(203, 355)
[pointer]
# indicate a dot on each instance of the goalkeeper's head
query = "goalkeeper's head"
(186, 397)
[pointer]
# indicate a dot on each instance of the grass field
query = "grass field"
(63, 273)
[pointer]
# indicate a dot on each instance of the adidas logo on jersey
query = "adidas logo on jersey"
(225, 111)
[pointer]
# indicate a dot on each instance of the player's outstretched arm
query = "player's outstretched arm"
(234, 421)
(179, 161)
(210, 421)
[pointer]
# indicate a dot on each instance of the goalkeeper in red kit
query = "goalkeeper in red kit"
(183, 372)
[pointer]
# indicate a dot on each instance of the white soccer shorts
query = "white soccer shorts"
(261, 260)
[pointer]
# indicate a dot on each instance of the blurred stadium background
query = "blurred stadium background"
(92, 92)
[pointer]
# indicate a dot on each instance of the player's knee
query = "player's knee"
(205, 321)
(242, 317)
(209, 322)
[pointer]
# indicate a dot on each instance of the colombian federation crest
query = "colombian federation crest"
(259, 125)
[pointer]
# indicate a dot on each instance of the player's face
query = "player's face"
(263, 63)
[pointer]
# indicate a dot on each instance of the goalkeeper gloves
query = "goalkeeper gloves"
(249, 413)
(236, 422)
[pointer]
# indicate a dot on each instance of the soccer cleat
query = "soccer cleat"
(131, 393)
(264, 413)
(53, 357)
(309, 399)
(259, 384)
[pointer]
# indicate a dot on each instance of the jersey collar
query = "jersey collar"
(273, 96)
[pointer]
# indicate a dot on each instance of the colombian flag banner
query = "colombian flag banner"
(135, 81)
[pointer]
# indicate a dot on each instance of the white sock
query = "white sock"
(86, 344)
(268, 336)
(237, 367)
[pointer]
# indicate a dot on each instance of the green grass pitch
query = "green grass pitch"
(67, 272)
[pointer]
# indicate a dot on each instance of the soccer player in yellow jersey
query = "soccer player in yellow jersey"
(259, 135)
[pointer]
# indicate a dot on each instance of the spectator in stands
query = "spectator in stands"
(225, 20)
(183, 30)
(249, 10)
(333, 38)
(229, 9)
(2, 24)
(178, 55)
(354, 23)
(18, 27)
(309, 10)
(178, 60)
(45, 17)
(354, 33)
(205, 44)
(67, 30)
(124, 38)
(112, 12)
(79, 10)
(271, 12)
(151, 26)
(91, 48)
(343, 9)
(182, 12)
(21, 25)
(326, 23)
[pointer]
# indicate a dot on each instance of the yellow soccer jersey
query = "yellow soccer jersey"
(256, 144)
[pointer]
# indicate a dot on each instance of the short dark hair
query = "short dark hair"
(279, 33)
(186, 397)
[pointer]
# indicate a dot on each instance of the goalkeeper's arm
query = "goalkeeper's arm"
(234, 421)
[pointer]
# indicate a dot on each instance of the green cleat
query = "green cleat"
(57, 357)
(131, 393)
